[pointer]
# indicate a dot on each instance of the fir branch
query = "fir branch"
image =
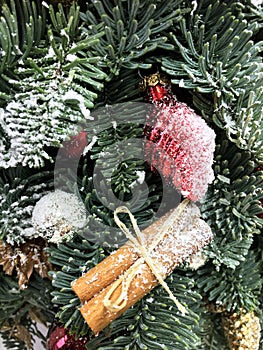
(22, 26)
(146, 325)
(21, 336)
(232, 205)
(18, 306)
(232, 288)
(213, 337)
(100, 223)
(217, 56)
(122, 88)
(249, 116)
(53, 93)
(71, 260)
(20, 189)
(118, 173)
(229, 253)
(132, 28)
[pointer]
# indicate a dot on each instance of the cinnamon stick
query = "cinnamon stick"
(104, 273)
(111, 267)
(98, 316)
(182, 238)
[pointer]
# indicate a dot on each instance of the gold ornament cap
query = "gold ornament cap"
(153, 80)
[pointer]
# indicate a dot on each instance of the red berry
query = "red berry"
(75, 146)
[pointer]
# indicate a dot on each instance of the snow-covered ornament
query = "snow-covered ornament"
(58, 215)
(178, 142)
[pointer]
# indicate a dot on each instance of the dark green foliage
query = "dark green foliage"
(232, 204)
(216, 55)
(65, 76)
(20, 189)
(233, 288)
(116, 173)
(72, 259)
(213, 335)
(132, 29)
(16, 306)
(122, 88)
(17, 303)
(206, 59)
(22, 27)
(56, 63)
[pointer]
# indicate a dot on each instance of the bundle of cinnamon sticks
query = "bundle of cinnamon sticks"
(128, 274)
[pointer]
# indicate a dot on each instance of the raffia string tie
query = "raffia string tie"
(138, 242)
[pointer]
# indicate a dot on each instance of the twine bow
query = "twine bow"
(138, 242)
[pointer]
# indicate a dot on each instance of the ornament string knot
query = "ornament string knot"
(138, 242)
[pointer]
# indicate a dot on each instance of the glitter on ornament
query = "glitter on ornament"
(60, 339)
(178, 142)
(58, 215)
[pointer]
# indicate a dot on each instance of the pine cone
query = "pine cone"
(25, 258)
(242, 330)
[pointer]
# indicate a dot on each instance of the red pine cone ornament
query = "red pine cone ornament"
(178, 142)
(60, 339)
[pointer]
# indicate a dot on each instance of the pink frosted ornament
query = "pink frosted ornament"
(178, 142)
